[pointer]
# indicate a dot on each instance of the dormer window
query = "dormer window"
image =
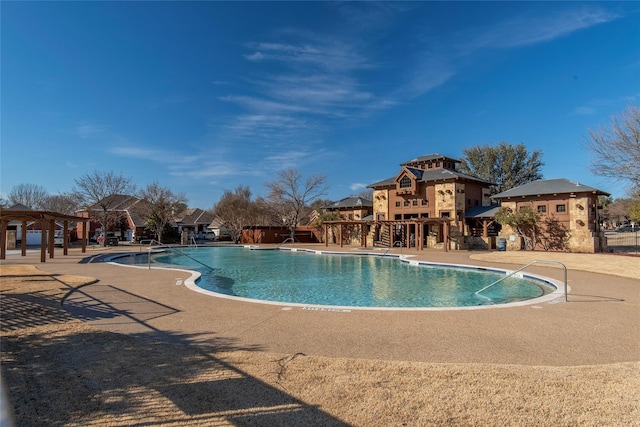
(405, 182)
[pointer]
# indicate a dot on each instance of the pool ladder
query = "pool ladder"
(522, 268)
(177, 250)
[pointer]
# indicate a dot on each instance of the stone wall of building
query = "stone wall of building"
(381, 203)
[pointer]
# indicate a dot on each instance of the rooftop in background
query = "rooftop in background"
(548, 186)
(350, 202)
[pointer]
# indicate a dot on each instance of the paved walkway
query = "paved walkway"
(600, 323)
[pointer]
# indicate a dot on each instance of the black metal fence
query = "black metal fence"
(623, 242)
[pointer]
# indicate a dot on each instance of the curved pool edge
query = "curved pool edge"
(554, 297)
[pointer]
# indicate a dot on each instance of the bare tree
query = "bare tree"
(237, 211)
(61, 203)
(99, 193)
(616, 148)
(366, 194)
(159, 206)
(505, 165)
(291, 195)
(30, 195)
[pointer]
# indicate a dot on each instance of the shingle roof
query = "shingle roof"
(115, 202)
(434, 156)
(482, 211)
(548, 186)
(431, 175)
(350, 202)
(19, 207)
(195, 216)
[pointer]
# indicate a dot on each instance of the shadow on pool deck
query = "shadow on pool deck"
(599, 324)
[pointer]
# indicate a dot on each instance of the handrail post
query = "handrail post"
(566, 299)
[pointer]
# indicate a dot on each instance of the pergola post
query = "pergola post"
(326, 235)
(445, 231)
(65, 239)
(23, 241)
(52, 237)
(3, 244)
(84, 236)
(43, 240)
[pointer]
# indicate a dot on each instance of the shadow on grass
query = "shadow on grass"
(59, 371)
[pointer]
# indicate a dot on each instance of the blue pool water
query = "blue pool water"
(347, 280)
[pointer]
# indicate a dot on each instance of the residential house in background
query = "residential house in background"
(193, 221)
(126, 219)
(572, 205)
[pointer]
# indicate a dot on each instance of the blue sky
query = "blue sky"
(206, 96)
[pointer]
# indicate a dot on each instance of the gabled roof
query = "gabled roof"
(216, 223)
(194, 216)
(350, 202)
(432, 175)
(115, 202)
(138, 213)
(19, 207)
(548, 186)
(417, 173)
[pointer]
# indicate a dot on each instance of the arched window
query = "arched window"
(405, 182)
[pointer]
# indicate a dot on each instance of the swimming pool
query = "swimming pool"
(315, 278)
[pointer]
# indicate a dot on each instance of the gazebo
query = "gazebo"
(47, 220)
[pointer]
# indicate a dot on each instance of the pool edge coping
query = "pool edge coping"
(551, 298)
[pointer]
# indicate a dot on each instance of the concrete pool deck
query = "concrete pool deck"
(600, 324)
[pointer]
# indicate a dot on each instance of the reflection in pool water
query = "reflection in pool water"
(304, 277)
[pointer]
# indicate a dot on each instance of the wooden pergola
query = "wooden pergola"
(47, 221)
(418, 223)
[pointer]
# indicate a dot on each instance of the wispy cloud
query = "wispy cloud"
(88, 130)
(438, 61)
(585, 111)
(326, 53)
(158, 156)
(357, 186)
(533, 29)
(315, 80)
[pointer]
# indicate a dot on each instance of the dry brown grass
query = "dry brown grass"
(59, 371)
(614, 265)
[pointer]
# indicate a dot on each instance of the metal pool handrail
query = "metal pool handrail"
(522, 268)
(175, 249)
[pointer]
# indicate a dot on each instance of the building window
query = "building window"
(405, 182)
(561, 208)
(350, 216)
(406, 203)
(424, 215)
(445, 214)
(542, 208)
(425, 202)
(397, 204)
(414, 202)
